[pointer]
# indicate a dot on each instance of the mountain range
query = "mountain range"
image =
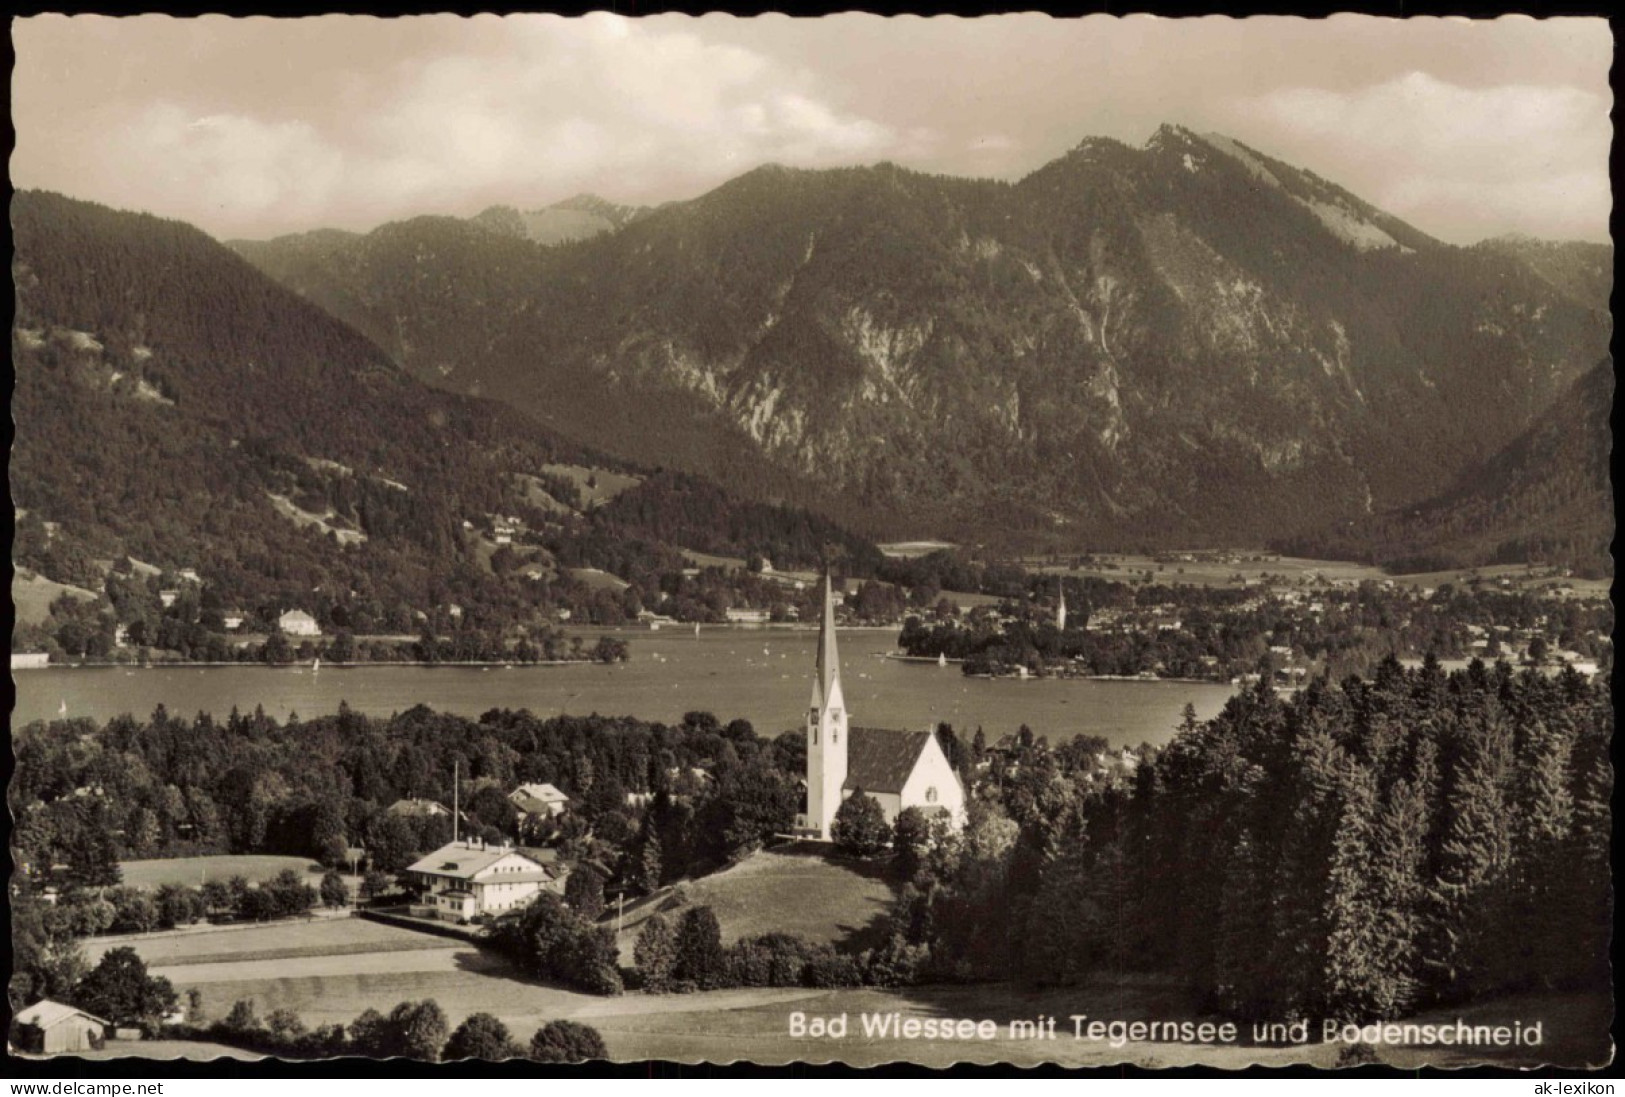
(176, 406)
(1185, 342)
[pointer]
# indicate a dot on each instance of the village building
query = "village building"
(747, 616)
(296, 622)
(418, 809)
(233, 619)
(462, 880)
(51, 1028)
(899, 769)
(30, 660)
(167, 597)
(539, 801)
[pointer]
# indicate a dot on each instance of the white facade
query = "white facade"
(464, 879)
(933, 784)
(296, 622)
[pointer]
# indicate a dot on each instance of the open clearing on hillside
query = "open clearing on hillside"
(604, 485)
(598, 579)
(537, 495)
(33, 594)
(192, 871)
(290, 510)
(793, 889)
(910, 549)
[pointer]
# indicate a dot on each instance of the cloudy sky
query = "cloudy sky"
(255, 127)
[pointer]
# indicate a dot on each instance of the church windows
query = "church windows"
(931, 795)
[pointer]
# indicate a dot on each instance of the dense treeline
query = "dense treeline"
(87, 796)
(681, 509)
(1356, 851)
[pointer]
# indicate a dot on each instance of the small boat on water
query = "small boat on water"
(62, 709)
(316, 664)
(942, 658)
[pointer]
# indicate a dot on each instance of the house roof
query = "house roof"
(47, 1014)
(418, 807)
(536, 798)
(545, 793)
(463, 861)
(878, 760)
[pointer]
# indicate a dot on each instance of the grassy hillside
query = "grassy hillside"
(798, 889)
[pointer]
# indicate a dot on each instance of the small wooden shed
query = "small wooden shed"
(52, 1028)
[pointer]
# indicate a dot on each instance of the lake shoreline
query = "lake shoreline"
(251, 665)
(725, 671)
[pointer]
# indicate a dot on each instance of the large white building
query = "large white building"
(296, 622)
(462, 879)
(899, 769)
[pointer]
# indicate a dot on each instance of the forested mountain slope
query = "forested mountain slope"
(1546, 497)
(175, 405)
(1185, 341)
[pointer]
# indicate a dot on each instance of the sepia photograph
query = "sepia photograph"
(1013, 541)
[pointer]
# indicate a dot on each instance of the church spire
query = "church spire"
(829, 663)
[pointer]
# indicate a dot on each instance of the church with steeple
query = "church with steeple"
(899, 769)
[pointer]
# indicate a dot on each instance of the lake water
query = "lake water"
(762, 675)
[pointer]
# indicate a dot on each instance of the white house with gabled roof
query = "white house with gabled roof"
(539, 800)
(463, 879)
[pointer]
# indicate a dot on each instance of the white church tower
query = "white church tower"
(826, 728)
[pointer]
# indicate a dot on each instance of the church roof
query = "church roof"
(878, 760)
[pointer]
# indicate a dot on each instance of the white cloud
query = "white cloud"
(565, 105)
(173, 162)
(1528, 155)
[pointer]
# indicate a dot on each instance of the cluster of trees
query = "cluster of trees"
(83, 912)
(690, 956)
(412, 1030)
(1356, 851)
(553, 940)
